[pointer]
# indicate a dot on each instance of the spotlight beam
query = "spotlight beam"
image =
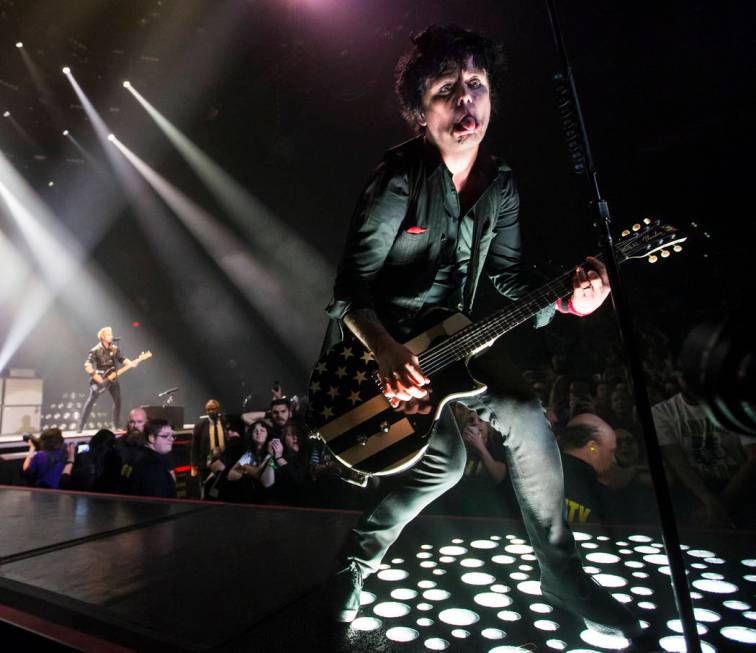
(261, 227)
(263, 289)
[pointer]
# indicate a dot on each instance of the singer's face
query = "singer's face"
(107, 336)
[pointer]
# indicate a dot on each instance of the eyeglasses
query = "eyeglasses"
(172, 436)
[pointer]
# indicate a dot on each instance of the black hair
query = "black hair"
(154, 426)
(437, 49)
(283, 400)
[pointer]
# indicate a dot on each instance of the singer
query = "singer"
(102, 359)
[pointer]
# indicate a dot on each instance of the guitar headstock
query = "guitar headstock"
(649, 239)
(144, 356)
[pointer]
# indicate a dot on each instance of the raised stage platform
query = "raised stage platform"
(100, 573)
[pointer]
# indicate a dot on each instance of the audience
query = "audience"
(291, 462)
(153, 476)
(252, 475)
(86, 465)
(44, 462)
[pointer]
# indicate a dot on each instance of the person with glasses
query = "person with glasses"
(153, 474)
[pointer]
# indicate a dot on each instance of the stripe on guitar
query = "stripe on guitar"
(396, 456)
(449, 326)
(355, 417)
(377, 442)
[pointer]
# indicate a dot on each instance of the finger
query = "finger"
(599, 266)
(580, 279)
(595, 280)
(415, 375)
(402, 392)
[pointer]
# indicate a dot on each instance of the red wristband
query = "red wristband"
(569, 309)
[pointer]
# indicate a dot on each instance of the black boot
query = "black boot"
(597, 608)
(343, 593)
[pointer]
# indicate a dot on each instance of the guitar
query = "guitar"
(349, 412)
(112, 375)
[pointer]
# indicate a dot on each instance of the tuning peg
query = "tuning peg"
(653, 258)
(636, 227)
(677, 248)
(646, 220)
(625, 233)
(664, 253)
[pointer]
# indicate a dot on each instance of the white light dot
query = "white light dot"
(642, 591)
(715, 586)
(471, 563)
(701, 553)
(736, 605)
(509, 615)
(478, 578)
(397, 561)
(19, 44)
(518, 575)
(748, 562)
(625, 552)
(493, 600)
(675, 625)
(403, 594)
(639, 538)
(676, 644)
(699, 565)
(460, 633)
(640, 574)
(634, 564)
(740, 634)
(541, 608)
(496, 538)
(532, 587)
(501, 589)
(427, 564)
(366, 598)
(483, 544)
(402, 634)
(439, 572)
(529, 557)
(656, 559)
(458, 617)
(750, 614)
(751, 578)
(452, 550)
(712, 576)
(509, 649)
(602, 558)
(581, 537)
(709, 616)
(457, 541)
(493, 633)
(590, 569)
(436, 595)
(526, 567)
(546, 624)
(66, 70)
(646, 549)
(424, 607)
(426, 546)
(425, 622)
(714, 561)
(556, 644)
(366, 624)
(602, 640)
(127, 84)
(426, 584)
(518, 549)
(589, 545)
(503, 560)
(610, 580)
(647, 605)
(436, 644)
(622, 598)
(391, 609)
(424, 555)
(65, 132)
(447, 559)
(392, 575)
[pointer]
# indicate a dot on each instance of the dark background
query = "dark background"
(293, 98)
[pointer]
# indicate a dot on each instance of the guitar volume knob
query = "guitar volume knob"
(385, 426)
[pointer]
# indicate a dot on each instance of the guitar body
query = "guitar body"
(357, 423)
(112, 375)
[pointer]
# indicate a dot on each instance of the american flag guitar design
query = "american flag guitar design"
(348, 411)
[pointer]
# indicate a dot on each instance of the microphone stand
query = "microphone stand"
(583, 162)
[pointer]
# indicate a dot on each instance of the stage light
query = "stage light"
(65, 132)
(112, 138)
(66, 70)
(19, 44)
(6, 114)
(127, 84)
(51, 184)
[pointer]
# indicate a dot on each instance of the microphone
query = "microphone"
(116, 339)
(167, 392)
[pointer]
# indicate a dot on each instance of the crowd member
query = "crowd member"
(252, 473)
(45, 459)
(588, 444)
(716, 467)
(216, 486)
(622, 410)
(153, 475)
(208, 442)
(125, 455)
(86, 470)
(291, 462)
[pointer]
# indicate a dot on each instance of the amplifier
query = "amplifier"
(174, 414)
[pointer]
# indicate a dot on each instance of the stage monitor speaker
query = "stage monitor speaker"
(23, 392)
(174, 414)
(21, 419)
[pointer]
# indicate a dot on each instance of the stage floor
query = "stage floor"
(105, 573)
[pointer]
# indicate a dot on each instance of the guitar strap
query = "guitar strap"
(468, 294)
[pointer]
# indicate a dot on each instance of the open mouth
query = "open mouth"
(466, 125)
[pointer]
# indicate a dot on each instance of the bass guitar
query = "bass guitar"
(349, 412)
(112, 375)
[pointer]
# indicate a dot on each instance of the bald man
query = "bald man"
(588, 444)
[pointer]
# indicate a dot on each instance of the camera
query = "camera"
(82, 447)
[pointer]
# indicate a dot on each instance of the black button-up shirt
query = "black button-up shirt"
(103, 359)
(409, 248)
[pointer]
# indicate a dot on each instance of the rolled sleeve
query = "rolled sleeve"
(373, 230)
